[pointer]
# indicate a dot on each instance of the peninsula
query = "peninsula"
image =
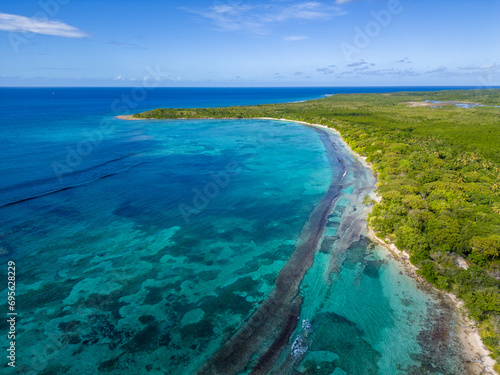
(436, 156)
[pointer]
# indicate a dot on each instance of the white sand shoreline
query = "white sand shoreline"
(477, 356)
(127, 117)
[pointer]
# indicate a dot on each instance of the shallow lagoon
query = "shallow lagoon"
(156, 261)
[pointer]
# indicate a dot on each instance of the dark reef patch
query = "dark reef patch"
(348, 344)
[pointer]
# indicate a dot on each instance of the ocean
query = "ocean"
(199, 246)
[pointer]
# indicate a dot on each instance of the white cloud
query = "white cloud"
(257, 17)
(479, 67)
(404, 60)
(386, 72)
(359, 63)
(328, 70)
(119, 78)
(15, 23)
(121, 44)
(340, 2)
(311, 10)
(488, 66)
(294, 38)
(361, 69)
(440, 70)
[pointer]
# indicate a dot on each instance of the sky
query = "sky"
(239, 43)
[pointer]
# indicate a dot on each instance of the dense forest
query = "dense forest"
(438, 170)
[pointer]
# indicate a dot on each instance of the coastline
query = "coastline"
(132, 118)
(476, 356)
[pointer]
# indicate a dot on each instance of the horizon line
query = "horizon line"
(247, 87)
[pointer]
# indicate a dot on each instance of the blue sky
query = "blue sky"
(250, 43)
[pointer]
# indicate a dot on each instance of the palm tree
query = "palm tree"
(496, 208)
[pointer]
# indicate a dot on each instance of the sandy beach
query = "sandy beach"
(476, 356)
(126, 117)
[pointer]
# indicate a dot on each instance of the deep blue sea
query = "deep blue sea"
(158, 247)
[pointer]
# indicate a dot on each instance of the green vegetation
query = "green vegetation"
(438, 175)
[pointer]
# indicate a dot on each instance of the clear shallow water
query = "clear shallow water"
(101, 263)
(166, 236)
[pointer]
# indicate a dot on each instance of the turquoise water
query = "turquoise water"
(184, 247)
(361, 314)
(125, 265)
